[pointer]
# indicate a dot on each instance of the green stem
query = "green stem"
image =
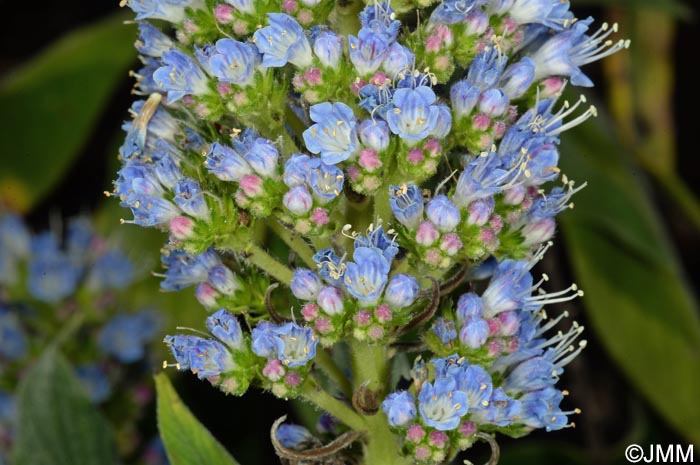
(295, 242)
(370, 365)
(346, 15)
(325, 362)
(339, 409)
(266, 262)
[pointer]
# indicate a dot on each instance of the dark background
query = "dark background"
(613, 410)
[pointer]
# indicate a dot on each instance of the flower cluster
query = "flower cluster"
(272, 129)
(55, 279)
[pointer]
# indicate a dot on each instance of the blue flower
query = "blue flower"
(493, 103)
(379, 18)
(328, 47)
(209, 358)
(407, 204)
(501, 411)
(95, 382)
(330, 266)
(366, 277)
(414, 116)
(140, 137)
(533, 374)
(378, 239)
(226, 328)
(401, 291)
(554, 14)
(510, 284)
(367, 51)
(483, 177)
(540, 409)
(444, 122)
(13, 342)
(518, 78)
(298, 200)
(152, 42)
(295, 437)
(185, 270)
(179, 346)
(244, 6)
(305, 284)
(469, 306)
(326, 181)
(190, 198)
(374, 134)
(296, 345)
(398, 59)
(464, 96)
(180, 76)
(124, 337)
(400, 408)
(453, 11)
(264, 339)
(443, 213)
(296, 169)
(168, 10)
(112, 270)
(542, 164)
(474, 333)
(234, 62)
(566, 52)
(445, 330)
(52, 277)
(334, 135)
(377, 100)
(441, 405)
(475, 382)
(262, 156)
(487, 68)
(165, 168)
(226, 164)
(282, 42)
(222, 279)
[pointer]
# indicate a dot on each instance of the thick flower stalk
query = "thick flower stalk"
(74, 290)
(336, 175)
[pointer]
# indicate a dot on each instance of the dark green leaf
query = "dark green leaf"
(636, 294)
(50, 106)
(57, 423)
(186, 441)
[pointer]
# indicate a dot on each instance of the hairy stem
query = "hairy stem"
(325, 362)
(339, 409)
(266, 262)
(295, 242)
(371, 368)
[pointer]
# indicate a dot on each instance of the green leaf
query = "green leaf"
(50, 106)
(637, 297)
(186, 441)
(57, 423)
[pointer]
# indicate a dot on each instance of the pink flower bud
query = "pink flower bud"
(427, 234)
(223, 13)
(181, 227)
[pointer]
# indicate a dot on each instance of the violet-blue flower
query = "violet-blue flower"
(400, 408)
(401, 291)
(234, 62)
(334, 135)
(366, 277)
(305, 284)
(226, 328)
(443, 213)
(407, 204)
(152, 41)
(180, 76)
(441, 405)
(283, 41)
(414, 116)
